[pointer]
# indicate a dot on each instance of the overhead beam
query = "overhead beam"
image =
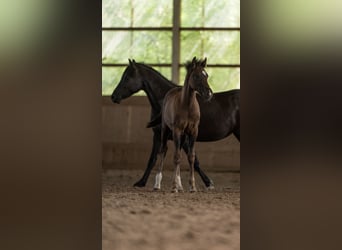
(176, 40)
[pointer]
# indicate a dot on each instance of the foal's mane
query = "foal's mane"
(189, 65)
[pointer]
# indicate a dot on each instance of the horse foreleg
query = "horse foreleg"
(152, 160)
(159, 175)
(177, 184)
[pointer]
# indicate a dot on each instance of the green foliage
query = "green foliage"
(220, 47)
(139, 13)
(147, 46)
(210, 13)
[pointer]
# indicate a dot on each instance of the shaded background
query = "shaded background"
(50, 146)
(291, 123)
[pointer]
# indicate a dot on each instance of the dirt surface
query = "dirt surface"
(139, 218)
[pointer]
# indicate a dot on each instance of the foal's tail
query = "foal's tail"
(155, 121)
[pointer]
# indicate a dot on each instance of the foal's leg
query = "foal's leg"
(191, 159)
(163, 149)
(177, 139)
(207, 181)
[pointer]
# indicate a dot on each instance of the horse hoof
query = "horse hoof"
(209, 185)
(139, 184)
(179, 188)
(193, 190)
(174, 190)
(156, 189)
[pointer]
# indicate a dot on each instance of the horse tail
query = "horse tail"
(155, 121)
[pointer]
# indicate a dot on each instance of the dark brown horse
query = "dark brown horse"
(219, 118)
(180, 117)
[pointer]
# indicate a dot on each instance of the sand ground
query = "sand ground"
(139, 218)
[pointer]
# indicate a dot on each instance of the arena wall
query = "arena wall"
(127, 143)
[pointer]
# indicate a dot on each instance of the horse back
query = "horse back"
(220, 117)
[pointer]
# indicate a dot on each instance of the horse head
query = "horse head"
(198, 78)
(129, 84)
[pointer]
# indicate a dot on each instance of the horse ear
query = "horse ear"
(132, 63)
(204, 63)
(193, 63)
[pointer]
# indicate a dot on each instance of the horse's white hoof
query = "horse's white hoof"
(211, 187)
(179, 188)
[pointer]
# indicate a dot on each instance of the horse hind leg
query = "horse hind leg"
(152, 160)
(206, 180)
(237, 133)
(191, 159)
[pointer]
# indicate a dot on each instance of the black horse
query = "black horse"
(219, 118)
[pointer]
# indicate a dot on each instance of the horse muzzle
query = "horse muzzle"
(116, 99)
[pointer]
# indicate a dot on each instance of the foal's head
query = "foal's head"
(197, 78)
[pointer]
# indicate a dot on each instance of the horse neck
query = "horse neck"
(187, 94)
(155, 85)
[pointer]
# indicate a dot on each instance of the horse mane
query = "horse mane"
(194, 63)
(156, 72)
